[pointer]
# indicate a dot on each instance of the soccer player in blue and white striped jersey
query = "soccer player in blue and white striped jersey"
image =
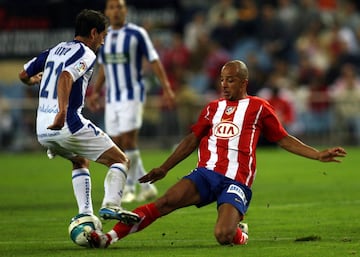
(63, 73)
(120, 59)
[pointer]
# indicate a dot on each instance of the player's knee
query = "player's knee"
(80, 162)
(113, 155)
(125, 161)
(223, 235)
(165, 205)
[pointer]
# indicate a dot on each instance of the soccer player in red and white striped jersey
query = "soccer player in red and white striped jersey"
(226, 135)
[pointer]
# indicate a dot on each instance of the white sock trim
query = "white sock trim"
(113, 235)
(80, 172)
(121, 167)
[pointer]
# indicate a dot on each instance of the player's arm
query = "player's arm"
(184, 149)
(160, 73)
(64, 86)
(93, 99)
(30, 80)
(33, 69)
(294, 145)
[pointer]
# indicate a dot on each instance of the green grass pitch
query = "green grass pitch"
(300, 207)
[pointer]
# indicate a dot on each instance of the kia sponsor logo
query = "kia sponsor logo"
(226, 130)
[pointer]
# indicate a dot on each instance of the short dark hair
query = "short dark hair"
(87, 19)
(107, 1)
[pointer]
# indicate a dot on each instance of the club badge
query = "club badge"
(229, 110)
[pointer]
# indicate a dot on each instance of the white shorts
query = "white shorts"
(123, 116)
(89, 142)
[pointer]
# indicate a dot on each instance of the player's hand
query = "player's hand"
(330, 155)
(169, 98)
(36, 79)
(30, 81)
(153, 176)
(59, 121)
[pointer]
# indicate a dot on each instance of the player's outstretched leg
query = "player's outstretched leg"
(241, 236)
(148, 213)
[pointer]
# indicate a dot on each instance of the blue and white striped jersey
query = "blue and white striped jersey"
(75, 58)
(122, 56)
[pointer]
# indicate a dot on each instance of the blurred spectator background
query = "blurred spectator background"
(303, 56)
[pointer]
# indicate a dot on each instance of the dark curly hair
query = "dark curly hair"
(87, 19)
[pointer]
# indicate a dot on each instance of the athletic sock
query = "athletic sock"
(141, 172)
(240, 238)
(81, 181)
(148, 214)
(114, 185)
(133, 156)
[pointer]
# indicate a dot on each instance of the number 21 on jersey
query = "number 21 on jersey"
(53, 73)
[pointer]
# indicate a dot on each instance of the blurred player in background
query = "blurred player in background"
(120, 67)
(226, 135)
(63, 73)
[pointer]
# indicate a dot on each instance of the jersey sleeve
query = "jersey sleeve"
(147, 46)
(203, 124)
(36, 64)
(81, 64)
(273, 130)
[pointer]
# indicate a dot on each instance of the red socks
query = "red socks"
(240, 238)
(148, 214)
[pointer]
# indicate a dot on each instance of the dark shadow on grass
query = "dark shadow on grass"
(140, 247)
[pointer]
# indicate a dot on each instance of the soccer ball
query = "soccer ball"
(79, 224)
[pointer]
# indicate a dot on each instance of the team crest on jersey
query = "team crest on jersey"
(80, 66)
(226, 129)
(229, 110)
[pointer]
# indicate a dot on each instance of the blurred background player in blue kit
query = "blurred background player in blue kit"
(63, 73)
(120, 68)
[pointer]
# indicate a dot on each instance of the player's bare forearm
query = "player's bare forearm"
(160, 73)
(63, 90)
(64, 86)
(184, 149)
(295, 146)
(100, 80)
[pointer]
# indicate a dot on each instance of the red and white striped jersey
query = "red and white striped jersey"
(229, 132)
